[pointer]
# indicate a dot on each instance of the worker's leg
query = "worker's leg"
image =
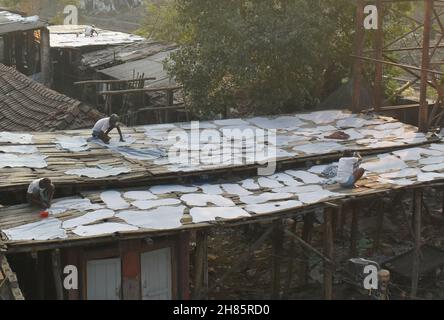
(49, 195)
(104, 137)
(358, 174)
(45, 198)
(36, 201)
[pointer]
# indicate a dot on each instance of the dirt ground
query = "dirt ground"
(253, 279)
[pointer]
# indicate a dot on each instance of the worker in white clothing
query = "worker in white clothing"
(41, 193)
(349, 171)
(90, 30)
(104, 126)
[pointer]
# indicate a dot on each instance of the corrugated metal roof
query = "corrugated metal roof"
(13, 22)
(110, 57)
(151, 66)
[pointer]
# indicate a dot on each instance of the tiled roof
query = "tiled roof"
(26, 105)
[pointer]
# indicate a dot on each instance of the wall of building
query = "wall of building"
(36, 271)
(131, 254)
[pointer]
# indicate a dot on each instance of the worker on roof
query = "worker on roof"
(104, 126)
(349, 171)
(40, 193)
(90, 30)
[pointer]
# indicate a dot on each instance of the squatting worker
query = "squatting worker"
(104, 126)
(349, 171)
(90, 31)
(41, 193)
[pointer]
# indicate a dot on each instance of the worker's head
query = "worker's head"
(114, 119)
(45, 183)
(93, 26)
(347, 154)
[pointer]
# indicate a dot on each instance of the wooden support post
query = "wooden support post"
(379, 44)
(169, 103)
(329, 252)
(183, 261)
(424, 107)
(339, 221)
(19, 62)
(307, 233)
(354, 230)
(308, 246)
(57, 273)
(379, 226)
(7, 45)
(442, 197)
(45, 59)
(201, 266)
(40, 275)
(277, 246)
(358, 49)
(343, 221)
(290, 273)
(417, 250)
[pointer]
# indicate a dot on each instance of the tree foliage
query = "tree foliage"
(260, 56)
(266, 56)
(34, 6)
(161, 22)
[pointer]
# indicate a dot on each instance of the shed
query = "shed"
(24, 44)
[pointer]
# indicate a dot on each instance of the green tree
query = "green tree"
(263, 56)
(9, 3)
(161, 22)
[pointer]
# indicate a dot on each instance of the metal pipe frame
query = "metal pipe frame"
(427, 69)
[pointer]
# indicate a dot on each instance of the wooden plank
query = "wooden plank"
(329, 253)
(277, 247)
(425, 65)
(88, 82)
(201, 266)
(45, 56)
(120, 92)
(379, 227)
(8, 281)
(57, 273)
(354, 230)
(309, 247)
(183, 265)
(290, 271)
(417, 250)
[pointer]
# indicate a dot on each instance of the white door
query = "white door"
(104, 279)
(156, 275)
